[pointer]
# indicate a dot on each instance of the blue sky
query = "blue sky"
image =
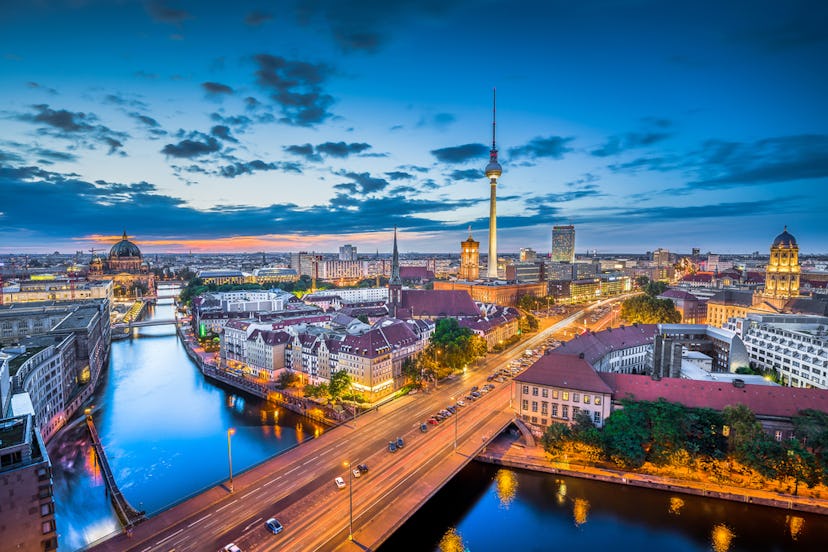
(287, 125)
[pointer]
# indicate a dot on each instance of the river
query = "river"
(164, 428)
(493, 508)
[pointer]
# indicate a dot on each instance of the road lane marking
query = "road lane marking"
(227, 505)
(250, 493)
(146, 549)
(272, 481)
(165, 539)
(253, 523)
(310, 460)
(293, 470)
(199, 520)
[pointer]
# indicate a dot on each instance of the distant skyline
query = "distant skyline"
(309, 124)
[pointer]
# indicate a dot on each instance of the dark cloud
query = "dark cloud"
(249, 167)
(366, 26)
(399, 175)
(223, 132)
(461, 154)
(362, 183)
(304, 150)
(163, 12)
(80, 126)
(124, 101)
(38, 86)
(440, 120)
(631, 140)
(341, 149)
(256, 18)
(145, 119)
(772, 160)
(589, 190)
(717, 210)
(190, 148)
(296, 86)
(553, 147)
(216, 88)
(467, 174)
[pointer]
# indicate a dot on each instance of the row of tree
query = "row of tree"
(670, 434)
(648, 308)
(452, 348)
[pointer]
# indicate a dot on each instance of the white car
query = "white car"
(340, 483)
(231, 548)
(356, 472)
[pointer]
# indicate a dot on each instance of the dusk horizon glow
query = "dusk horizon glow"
(307, 125)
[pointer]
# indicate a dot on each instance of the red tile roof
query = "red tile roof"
(566, 371)
(595, 346)
(439, 303)
(416, 273)
(763, 400)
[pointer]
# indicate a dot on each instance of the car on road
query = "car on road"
(433, 421)
(461, 403)
(392, 446)
(340, 483)
(231, 548)
(363, 468)
(473, 389)
(423, 427)
(274, 526)
(400, 442)
(451, 408)
(471, 398)
(356, 472)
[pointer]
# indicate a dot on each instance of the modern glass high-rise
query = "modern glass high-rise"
(563, 244)
(348, 253)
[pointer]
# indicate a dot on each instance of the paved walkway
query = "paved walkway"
(505, 451)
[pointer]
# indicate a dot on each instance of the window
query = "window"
(596, 417)
(544, 408)
(544, 393)
(575, 411)
(46, 509)
(565, 411)
(554, 410)
(597, 399)
(778, 435)
(534, 391)
(543, 421)
(47, 526)
(576, 397)
(586, 399)
(554, 393)
(525, 404)
(566, 395)
(534, 419)
(534, 406)
(525, 389)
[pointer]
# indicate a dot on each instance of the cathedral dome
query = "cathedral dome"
(784, 239)
(124, 248)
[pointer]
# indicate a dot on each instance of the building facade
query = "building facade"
(469, 260)
(563, 244)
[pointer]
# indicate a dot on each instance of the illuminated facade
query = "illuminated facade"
(469, 259)
(493, 172)
(126, 268)
(563, 244)
(782, 272)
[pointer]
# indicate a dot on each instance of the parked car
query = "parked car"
(400, 442)
(424, 427)
(476, 394)
(274, 526)
(392, 446)
(433, 421)
(471, 398)
(231, 548)
(340, 483)
(363, 468)
(451, 409)
(461, 403)
(473, 389)
(356, 472)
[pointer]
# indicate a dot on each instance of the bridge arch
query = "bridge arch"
(528, 438)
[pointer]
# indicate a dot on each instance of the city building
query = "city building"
(557, 387)
(794, 346)
(693, 309)
(499, 292)
(526, 271)
(58, 289)
(126, 268)
(495, 327)
(348, 252)
(222, 276)
(469, 259)
(272, 275)
(624, 350)
(724, 347)
(527, 255)
(26, 503)
(563, 244)
(782, 272)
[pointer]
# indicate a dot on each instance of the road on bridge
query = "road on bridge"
(297, 487)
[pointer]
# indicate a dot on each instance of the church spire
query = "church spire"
(395, 263)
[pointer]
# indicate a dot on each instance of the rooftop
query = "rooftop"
(568, 371)
(12, 431)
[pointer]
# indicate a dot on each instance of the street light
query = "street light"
(230, 433)
(350, 502)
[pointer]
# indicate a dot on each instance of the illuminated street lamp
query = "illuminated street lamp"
(350, 501)
(230, 433)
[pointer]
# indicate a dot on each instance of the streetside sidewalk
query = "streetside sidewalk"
(505, 452)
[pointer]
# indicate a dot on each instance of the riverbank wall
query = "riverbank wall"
(507, 452)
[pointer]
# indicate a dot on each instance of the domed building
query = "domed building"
(126, 267)
(782, 272)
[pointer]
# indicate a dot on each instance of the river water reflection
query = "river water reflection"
(164, 429)
(489, 508)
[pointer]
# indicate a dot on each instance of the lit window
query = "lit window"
(586, 399)
(566, 395)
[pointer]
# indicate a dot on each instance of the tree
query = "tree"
(654, 289)
(320, 391)
(555, 436)
(286, 378)
(413, 371)
(340, 383)
(625, 435)
(646, 309)
(584, 430)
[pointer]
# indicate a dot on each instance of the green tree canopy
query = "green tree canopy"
(646, 309)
